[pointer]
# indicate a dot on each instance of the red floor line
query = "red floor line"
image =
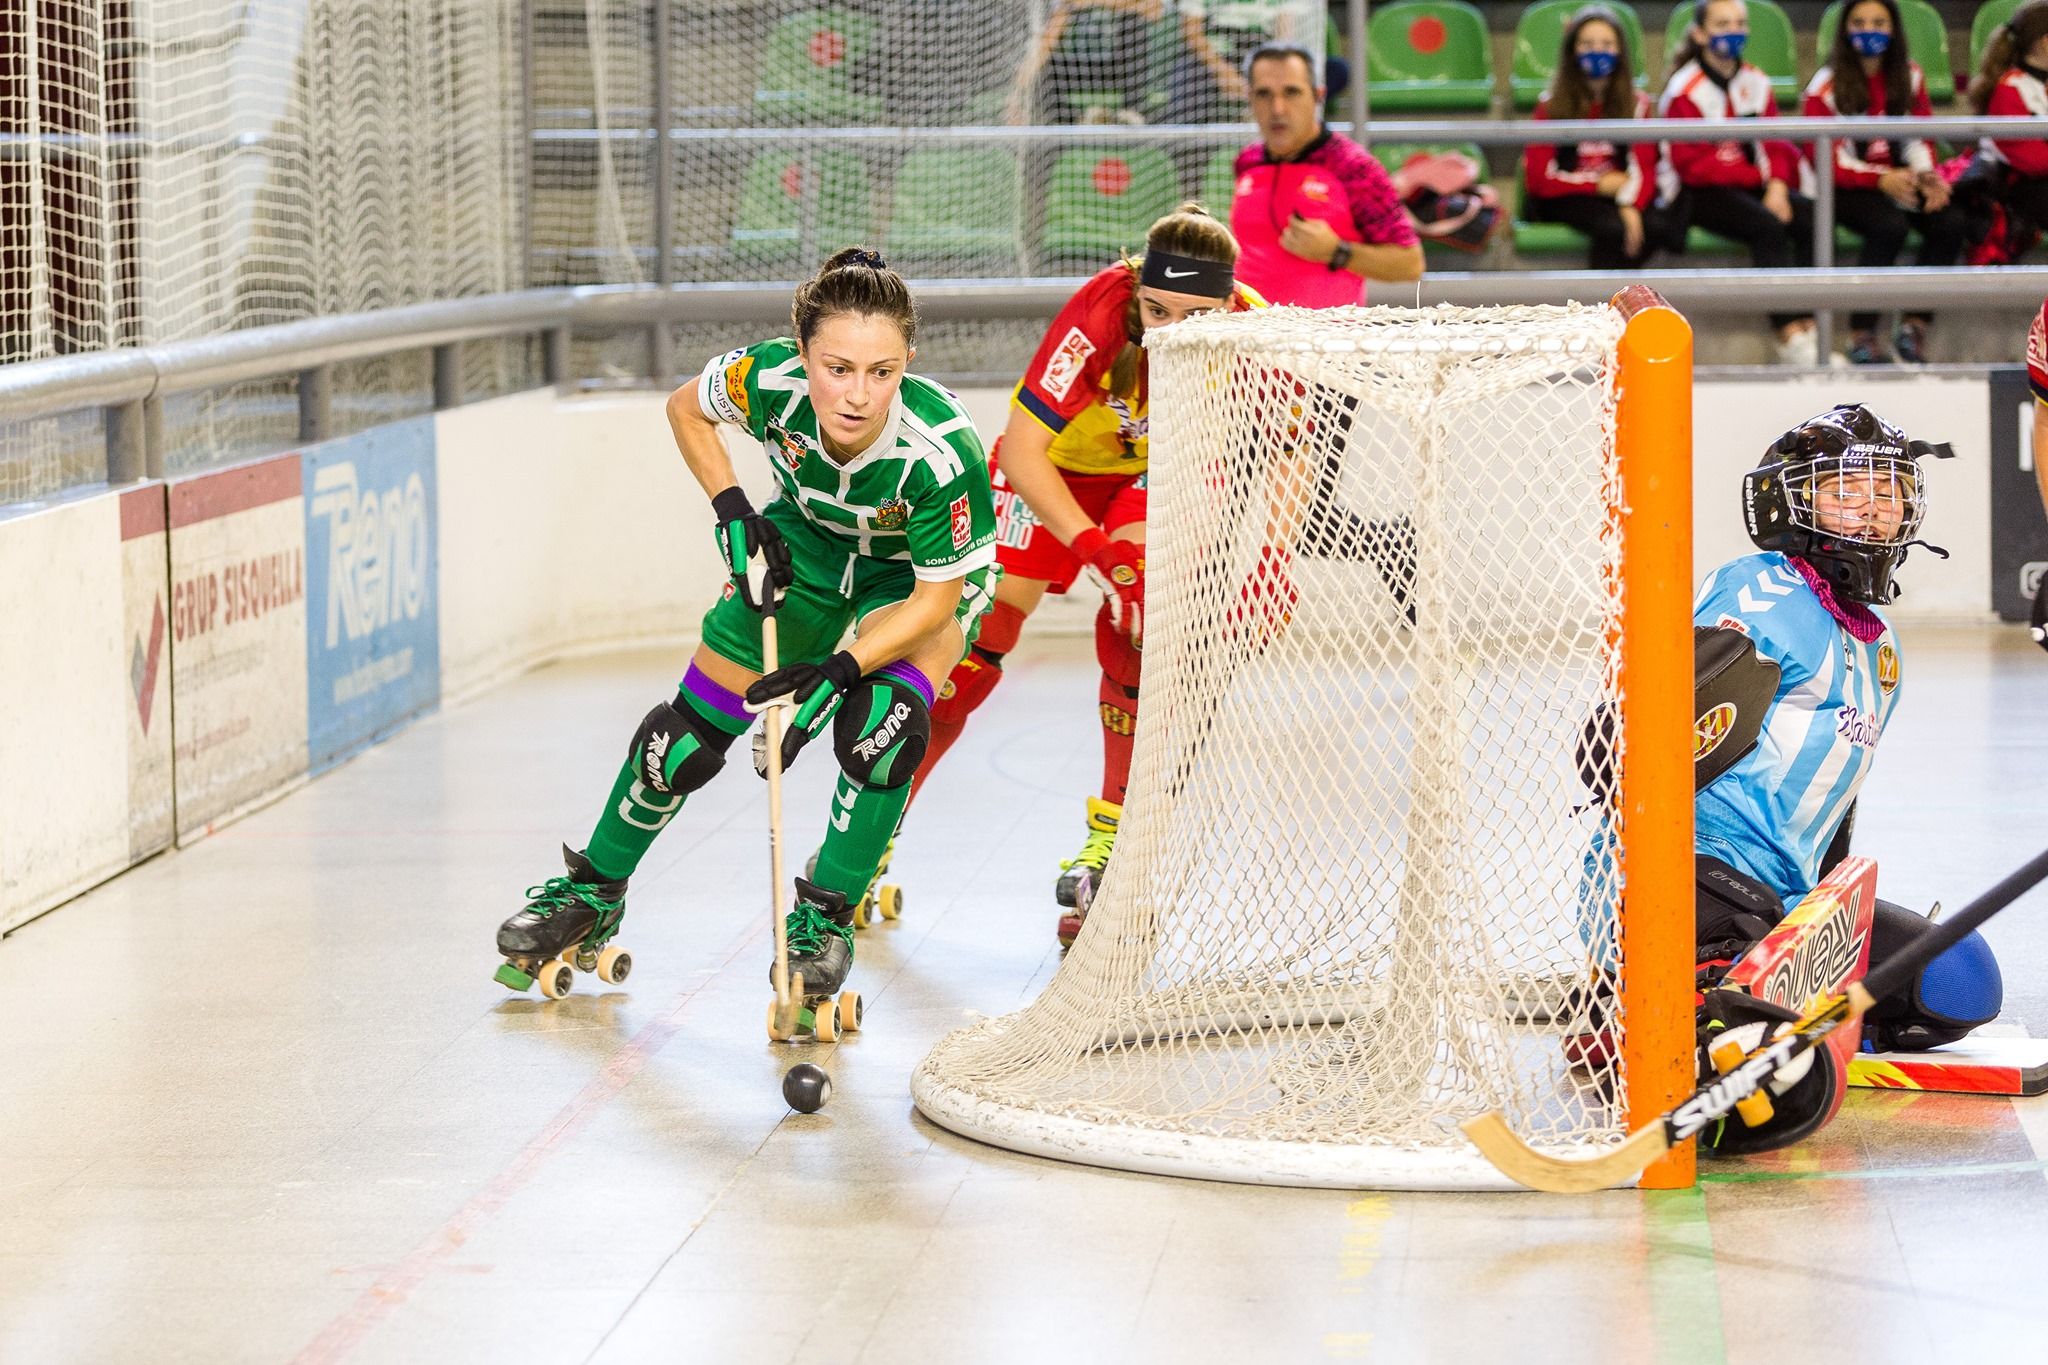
(391, 1289)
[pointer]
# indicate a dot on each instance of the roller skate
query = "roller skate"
(568, 923)
(820, 936)
(1081, 875)
(883, 900)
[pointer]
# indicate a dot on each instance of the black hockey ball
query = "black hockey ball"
(806, 1088)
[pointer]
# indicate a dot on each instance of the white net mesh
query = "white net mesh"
(801, 126)
(190, 167)
(1359, 892)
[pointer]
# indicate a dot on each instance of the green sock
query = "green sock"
(864, 820)
(633, 815)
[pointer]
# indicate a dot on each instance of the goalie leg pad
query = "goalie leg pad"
(1953, 994)
(1803, 1095)
(884, 727)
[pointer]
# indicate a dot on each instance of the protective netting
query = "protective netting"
(182, 168)
(798, 127)
(1358, 894)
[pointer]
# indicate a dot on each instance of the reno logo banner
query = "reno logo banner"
(373, 631)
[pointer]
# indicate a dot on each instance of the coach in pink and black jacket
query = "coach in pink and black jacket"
(1314, 215)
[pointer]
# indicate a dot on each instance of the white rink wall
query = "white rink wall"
(290, 611)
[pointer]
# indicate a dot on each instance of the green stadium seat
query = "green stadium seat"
(1540, 239)
(833, 188)
(1219, 182)
(1539, 32)
(1990, 15)
(1771, 48)
(803, 76)
(1429, 55)
(1101, 200)
(1926, 38)
(957, 205)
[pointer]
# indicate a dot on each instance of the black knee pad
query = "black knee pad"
(1953, 994)
(881, 732)
(675, 750)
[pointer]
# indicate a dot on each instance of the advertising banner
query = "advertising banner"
(238, 638)
(2019, 532)
(146, 640)
(373, 634)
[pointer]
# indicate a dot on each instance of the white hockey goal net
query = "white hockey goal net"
(1363, 888)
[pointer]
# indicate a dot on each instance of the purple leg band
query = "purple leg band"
(720, 699)
(911, 677)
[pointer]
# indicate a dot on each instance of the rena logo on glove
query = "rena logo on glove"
(885, 734)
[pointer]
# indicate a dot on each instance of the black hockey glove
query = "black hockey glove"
(1803, 1095)
(742, 534)
(817, 690)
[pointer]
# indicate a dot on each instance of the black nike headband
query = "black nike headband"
(1186, 275)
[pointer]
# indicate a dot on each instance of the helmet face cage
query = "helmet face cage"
(1862, 499)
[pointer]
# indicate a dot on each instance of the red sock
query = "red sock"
(1119, 724)
(1122, 664)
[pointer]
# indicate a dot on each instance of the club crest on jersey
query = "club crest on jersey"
(1065, 364)
(1709, 730)
(892, 515)
(963, 522)
(736, 384)
(1887, 667)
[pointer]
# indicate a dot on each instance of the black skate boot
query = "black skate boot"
(567, 921)
(820, 933)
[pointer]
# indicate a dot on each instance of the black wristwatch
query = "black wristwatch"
(1341, 258)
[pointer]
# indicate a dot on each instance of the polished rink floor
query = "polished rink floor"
(264, 1103)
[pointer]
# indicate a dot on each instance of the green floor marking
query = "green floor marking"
(1685, 1292)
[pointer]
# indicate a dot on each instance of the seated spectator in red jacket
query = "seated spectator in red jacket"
(1884, 187)
(1738, 189)
(2013, 80)
(1607, 189)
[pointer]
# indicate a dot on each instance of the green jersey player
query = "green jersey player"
(883, 521)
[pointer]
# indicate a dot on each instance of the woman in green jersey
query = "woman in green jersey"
(882, 520)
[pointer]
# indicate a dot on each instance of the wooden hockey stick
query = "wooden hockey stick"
(784, 1016)
(1525, 1165)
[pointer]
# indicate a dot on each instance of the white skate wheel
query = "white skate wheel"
(613, 964)
(555, 979)
(824, 1022)
(849, 1011)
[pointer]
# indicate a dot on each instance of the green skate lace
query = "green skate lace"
(559, 893)
(806, 929)
(1095, 850)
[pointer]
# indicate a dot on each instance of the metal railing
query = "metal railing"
(130, 386)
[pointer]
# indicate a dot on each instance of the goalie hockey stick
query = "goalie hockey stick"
(1525, 1165)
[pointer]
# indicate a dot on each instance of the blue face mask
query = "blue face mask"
(1870, 42)
(1598, 66)
(1728, 46)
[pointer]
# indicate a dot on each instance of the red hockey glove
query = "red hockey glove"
(1118, 568)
